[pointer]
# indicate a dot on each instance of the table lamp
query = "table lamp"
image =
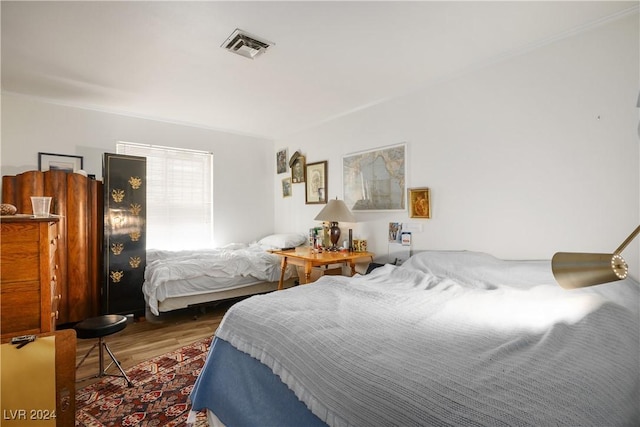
(333, 212)
(579, 270)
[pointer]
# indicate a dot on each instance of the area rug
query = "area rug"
(159, 396)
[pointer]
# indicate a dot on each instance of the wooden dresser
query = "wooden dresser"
(29, 294)
(77, 200)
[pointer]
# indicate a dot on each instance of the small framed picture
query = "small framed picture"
(286, 187)
(316, 184)
(281, 161)
(395, 230)
(297, 170)
(63, 162)
(419, 203)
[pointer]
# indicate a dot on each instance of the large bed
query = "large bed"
(180, 279)
(448, 338)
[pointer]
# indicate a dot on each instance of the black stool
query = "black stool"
(99, 327)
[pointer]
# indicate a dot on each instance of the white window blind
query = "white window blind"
(179, 196)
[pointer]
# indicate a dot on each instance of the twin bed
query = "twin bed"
(180, 279)
(448, 338)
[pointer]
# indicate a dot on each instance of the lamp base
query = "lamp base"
(334, 235)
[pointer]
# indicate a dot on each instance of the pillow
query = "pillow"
(283, 240)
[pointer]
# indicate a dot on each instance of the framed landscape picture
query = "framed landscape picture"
(64, 162)
(316, 187)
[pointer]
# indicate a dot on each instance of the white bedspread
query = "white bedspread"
(404, 347)
(166, 271)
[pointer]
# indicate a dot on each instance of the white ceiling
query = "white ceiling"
(163, 60)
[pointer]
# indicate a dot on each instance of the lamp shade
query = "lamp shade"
(579, 270)
(335, 211)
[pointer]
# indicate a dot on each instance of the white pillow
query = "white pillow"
(283, 240)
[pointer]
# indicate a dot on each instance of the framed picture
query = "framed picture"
(286, 187)
(395, 230)
(374, 180)
(63, 162)
(316, 184)
(281, 161)
(419, 203)
(297, 170)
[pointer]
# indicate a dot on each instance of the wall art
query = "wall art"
(374, 180)
(316, 183)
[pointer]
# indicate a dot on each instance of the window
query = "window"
(179, 195)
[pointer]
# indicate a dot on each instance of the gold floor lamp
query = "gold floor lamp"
(579, 270)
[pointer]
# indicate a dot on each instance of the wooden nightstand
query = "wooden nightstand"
(307, 259)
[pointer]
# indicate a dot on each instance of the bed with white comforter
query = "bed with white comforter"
(448, 338)
(174, 279)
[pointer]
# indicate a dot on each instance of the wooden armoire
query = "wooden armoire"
(78, 201)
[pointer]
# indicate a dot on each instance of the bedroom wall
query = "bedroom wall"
(243, 199)
(530, 155)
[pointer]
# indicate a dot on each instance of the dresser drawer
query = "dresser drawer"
(20, 308)
(56, 295)
(20, 261)
(53, 236)
(19, 232)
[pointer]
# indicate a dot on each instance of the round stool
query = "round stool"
(99, 327)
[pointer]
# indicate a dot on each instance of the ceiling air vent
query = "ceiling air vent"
(245, 44)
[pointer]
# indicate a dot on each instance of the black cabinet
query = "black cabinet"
(124, 233)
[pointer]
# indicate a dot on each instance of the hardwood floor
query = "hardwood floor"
(142, 340)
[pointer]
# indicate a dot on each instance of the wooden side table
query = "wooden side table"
(309, 259)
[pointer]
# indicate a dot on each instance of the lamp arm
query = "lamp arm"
(628, 240)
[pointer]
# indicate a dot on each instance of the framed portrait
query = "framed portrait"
(374, 180)
(419, 202)
(286, 187)
(63, 162)
(316, 183)
(297, 170)
(281, 161)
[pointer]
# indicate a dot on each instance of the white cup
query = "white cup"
(41, 206)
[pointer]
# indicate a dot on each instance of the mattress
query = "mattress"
(195, 273)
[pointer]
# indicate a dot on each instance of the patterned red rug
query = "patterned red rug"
(159, 396)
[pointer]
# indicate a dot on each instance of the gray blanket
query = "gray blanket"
(410, 346)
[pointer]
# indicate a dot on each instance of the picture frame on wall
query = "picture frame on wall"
(419, 201)
(374, 180)
(316, 183)
(286, 187)
(63, 162)
(281, 161)
(297, 170)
